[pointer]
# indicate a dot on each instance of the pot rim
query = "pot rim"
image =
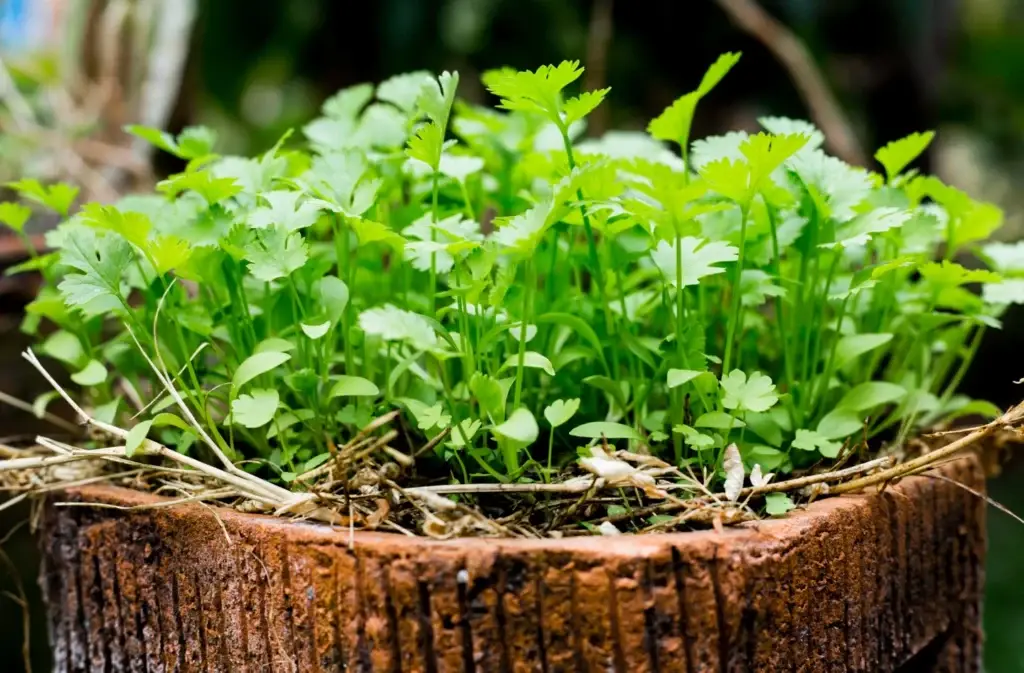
(789, 527)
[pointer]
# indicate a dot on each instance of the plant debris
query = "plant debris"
(609, 492)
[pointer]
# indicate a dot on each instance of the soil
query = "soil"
(877, 582)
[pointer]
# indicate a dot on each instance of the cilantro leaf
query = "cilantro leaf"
(276, 254)
(560, 411)
(391, 323)
(756, 393)
(255, 410)
(15, 215)
(536, 91)
(810, 440)
(778, 504)
(947, 274)
(674, 123)
(579, 107)
(699, 258)
(898, 154)
(403, 90)
(284, 210)
(1010, 291)
(203, 182)
(132, 226)
(101, 261)
(57, 197)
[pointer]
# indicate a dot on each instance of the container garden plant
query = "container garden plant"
(491, 380)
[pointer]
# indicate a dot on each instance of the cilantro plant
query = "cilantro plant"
(518, 293)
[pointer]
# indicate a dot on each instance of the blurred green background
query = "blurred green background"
(254, 68)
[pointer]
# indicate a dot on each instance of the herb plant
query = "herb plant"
(523, 294)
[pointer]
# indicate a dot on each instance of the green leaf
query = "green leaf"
(700, 258)
(394, 324)
(168, 252)
(765, 426)
(531, 359)
(316, 461)
(283, 210)
(427, 416)
(93, 374)
(674, 123)
(521, 427)
(257, 365)
(849, 348)
(15, 215)
(839, 423)
(133, 227)
(167, 419)
(437, 97)
(277, 255)
(537, 91)
(136, 436)
(256, 410)
(315, 331)
(693, 438)
(809, 440)
(369, 231)
(678, 377)
(489, 393)
(401, 90)
(870, 395)
(427, 145)
(898, 154)
(353, 386)
(606, 429)
(778, 504)
(101, 261)
(41, 402)
(211, 188)
(765, 456)
(619, 391)
(756, 393)
(577, 108)
(106, 413)
(718, 420)
(57, 197)
(159, 139)
(560, 411)
(578, 326)
(947, 274)
(274, 345)
(333, 295)
(64, 346)
(195, 142)
(462, 434)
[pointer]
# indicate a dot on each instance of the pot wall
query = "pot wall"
(879, 582)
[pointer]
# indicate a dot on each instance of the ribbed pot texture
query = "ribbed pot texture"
(877, 582)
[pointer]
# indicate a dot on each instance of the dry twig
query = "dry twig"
(799, 63)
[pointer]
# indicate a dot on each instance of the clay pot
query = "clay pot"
(878, 582)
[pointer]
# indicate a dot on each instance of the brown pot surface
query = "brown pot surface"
(878, 582)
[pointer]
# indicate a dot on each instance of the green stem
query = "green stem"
(965, 364)
(784, 341)
(466, 200)
(819, 321)
(820, 391)
(527, 295)
(341, 247)
(737, 295)
(433, 256)
(595, 261)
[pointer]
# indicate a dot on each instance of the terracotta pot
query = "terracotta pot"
(878, 582)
